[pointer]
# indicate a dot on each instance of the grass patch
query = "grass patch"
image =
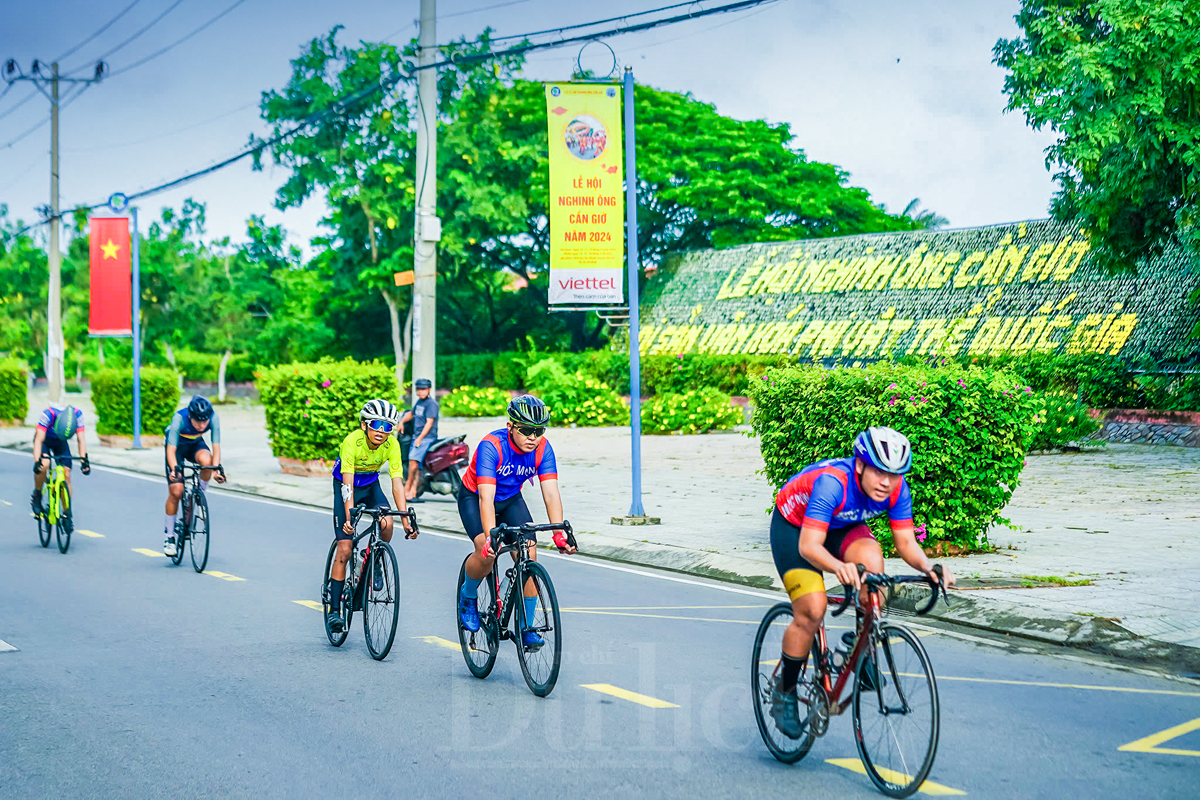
(1030, 580)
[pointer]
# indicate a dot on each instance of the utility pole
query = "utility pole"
(427, 227)
(54, 334)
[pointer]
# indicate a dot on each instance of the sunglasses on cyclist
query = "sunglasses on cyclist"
(381, 425)
(531, 430)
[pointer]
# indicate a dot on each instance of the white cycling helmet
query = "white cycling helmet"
(379, 409)
(884, 449)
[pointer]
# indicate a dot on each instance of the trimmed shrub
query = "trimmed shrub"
(311, 407)
(1061, 420)
(575, 399)
(691, 412)
(14, 397)
(112, 395)
(969, 429)
(729, 374)
(470, 401)
(465, 370)
(508, 370)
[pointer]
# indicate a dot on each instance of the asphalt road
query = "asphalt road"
(135, 678)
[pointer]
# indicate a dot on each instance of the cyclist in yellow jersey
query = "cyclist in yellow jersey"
(356, 482)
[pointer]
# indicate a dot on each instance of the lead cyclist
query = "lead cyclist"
(819, 525)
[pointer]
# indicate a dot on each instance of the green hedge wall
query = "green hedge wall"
(205, 367)
(311, 407)
(112, 394)
(14, 397)
(969, 430)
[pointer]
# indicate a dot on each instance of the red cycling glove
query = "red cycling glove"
(560, 540)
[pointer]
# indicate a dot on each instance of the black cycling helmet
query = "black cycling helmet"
(423, 383)
(528, 410)
(200, 409)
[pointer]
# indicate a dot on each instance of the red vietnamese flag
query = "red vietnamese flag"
(112, 292)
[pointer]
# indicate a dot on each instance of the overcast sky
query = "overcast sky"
(902, 95)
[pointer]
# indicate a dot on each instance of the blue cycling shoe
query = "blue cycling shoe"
(468, 613)
(532, 640)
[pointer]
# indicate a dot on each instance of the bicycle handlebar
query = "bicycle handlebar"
(377, 514)
(525, 530)
(877, 580)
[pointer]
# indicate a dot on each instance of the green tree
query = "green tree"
(1118, 81)
(23, 274)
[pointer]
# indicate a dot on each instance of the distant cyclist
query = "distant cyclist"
(55, 427)
(819, 525)
(491, 493)
(185, 442)
(356, 482)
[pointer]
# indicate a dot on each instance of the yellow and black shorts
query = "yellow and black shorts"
(800, 577)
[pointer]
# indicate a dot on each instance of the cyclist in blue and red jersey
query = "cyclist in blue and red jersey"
(491, 494)
(819, 525)
(55, 427)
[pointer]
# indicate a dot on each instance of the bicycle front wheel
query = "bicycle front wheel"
(539, 662)
(335, 638)
(198, 532)
(381, 609)
(62, 526)
(181, 531)
(896, 715)
(764, 674)
(479, 647)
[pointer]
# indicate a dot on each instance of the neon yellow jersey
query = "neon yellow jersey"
(359, 464)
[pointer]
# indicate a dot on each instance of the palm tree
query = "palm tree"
(924, 218)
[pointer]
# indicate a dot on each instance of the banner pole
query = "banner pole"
(635, 363)
(137, 336)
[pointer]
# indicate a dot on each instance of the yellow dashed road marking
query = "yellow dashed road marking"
(89, 534)
(928, 787)
(8, 503)
(225, 576)
(1150, 744)
(625, 694)
(313, 604)
(439, 641)
(151, 553)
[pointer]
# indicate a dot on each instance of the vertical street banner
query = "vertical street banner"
(111, 310)
(587, 209)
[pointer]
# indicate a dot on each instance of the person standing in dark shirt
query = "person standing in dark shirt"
(424, 415)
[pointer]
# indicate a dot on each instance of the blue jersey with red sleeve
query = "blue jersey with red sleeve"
(826, 495)
(50, 416)
(498, 462)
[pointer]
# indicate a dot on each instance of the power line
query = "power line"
(147, 27)
(63, 102)
(384, 85)
(163, 135)
(19, 103)
(594, 23)
(457, 14)
(177, 42)
(102, 29)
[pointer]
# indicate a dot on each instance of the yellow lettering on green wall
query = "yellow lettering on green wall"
(871, 338)
(1037, 261)
(1071, 259)
(964, 277)
(936, 278)
(982, 342)
(810, 334)
(1117, 334)
(1082, 335)
(1052, 263)
(828, 338)
(726, 284)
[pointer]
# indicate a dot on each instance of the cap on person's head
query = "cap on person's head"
(424, 383)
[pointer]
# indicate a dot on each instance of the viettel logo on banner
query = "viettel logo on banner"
(586, 197)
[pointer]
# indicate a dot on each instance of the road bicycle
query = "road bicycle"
(893, 693)
(497, 600)
(55, 511)
(380, 608)
(194, 524)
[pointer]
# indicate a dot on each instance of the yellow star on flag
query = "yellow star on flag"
(110, 249)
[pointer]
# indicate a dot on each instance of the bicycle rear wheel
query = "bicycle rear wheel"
(540, 664)
(44, 526)
(62, 526)
(764, 674)
(335, 638)
(198, 532)
(479, 647)
(896, 721)
(381, 610)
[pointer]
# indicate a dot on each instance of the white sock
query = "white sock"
(170, 524)
(203, 485)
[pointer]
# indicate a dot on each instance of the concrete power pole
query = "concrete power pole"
(427, 227)
(54, 335)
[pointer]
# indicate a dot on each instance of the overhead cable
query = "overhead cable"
(175, 43)
(101, 30)
(147, 27)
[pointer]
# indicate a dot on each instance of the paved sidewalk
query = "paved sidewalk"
(1124, 518)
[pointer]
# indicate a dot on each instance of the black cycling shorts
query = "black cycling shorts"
(512, 511)
(369, 495)
(58, 448)
(798, 575)
(185, 451)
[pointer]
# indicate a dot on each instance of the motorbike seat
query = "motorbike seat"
(440, 443)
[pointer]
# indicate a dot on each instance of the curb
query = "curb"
(1092, 634)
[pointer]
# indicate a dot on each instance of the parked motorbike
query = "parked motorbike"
(440, 469)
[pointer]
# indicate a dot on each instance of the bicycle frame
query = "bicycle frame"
(56, 477)
(517, 541)
(373, 531)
